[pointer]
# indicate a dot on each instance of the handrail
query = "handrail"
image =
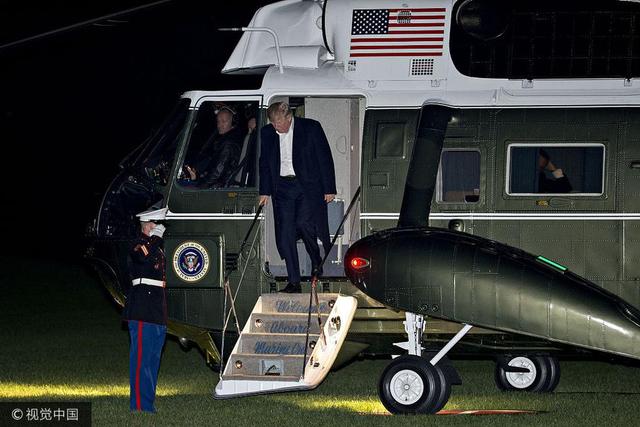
(265, 30)
(314, 284)
(227, 289)
(233, 297)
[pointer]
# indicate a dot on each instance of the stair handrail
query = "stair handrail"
(232, 298)
(227, 288)
(314, 284)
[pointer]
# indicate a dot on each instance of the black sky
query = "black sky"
(72, 105)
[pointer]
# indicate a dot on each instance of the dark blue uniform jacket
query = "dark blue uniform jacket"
(146, 261)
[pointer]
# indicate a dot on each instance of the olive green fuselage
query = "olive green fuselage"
(468, 279)
(595, 235)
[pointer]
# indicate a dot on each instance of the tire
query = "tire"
(543, 375)
(554, 374)
(411, 385)
(445, 393)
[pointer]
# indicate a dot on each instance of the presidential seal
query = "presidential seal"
(191, 261)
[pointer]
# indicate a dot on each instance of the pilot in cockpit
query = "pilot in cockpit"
(216, 161)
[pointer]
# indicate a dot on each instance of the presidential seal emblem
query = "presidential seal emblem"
(191, 261)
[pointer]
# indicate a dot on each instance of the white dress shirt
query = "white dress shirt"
(286, 151)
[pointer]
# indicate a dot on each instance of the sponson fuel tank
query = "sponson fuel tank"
(468, 279)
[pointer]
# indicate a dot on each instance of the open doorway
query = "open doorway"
(342, 120)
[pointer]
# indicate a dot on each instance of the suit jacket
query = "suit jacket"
(556, 185)
(312, 163)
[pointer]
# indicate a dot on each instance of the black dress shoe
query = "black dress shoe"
(292, 288)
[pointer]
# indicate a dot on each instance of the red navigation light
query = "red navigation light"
(359, 263)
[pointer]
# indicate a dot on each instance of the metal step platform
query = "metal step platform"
(269, 355)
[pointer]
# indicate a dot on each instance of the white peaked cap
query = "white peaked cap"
(153, 215)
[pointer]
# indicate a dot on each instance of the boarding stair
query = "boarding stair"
(274, 352)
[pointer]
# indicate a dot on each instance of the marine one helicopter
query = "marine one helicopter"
(497, 148)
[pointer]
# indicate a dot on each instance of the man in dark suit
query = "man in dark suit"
(296, 170)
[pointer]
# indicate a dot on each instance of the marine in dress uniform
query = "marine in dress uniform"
(146, 313)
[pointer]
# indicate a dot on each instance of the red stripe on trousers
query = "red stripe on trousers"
(138, 366)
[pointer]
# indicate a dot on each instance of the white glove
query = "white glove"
(158, 230)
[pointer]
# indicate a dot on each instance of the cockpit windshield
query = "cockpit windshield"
(144, 174)
(157, 154)
(222, 150)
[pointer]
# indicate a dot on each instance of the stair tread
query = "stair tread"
(268, 355)
(261, 377)
(273, 334)
(298, 303)
(289, 314)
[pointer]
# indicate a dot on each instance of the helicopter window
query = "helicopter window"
(388, 140)
(222, 149)
(459, 176)
(535, 39)
(555, 168)
(157, 154)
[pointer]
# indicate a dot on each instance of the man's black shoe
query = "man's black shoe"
(292, 288)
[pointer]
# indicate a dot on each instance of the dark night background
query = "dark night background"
(72, 105)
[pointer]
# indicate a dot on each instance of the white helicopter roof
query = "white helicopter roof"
(352, 57)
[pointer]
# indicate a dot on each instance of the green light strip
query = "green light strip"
(551, 263)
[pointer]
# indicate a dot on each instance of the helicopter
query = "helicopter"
(533, 108)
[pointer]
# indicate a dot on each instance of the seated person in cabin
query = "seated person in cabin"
(557, 182)
(216, 161)
(251, 127)
(246, 176)
(244, 173)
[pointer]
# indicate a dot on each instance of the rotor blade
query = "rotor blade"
(82, 24)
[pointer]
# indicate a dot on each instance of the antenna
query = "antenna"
(94, 21)
(264, 30)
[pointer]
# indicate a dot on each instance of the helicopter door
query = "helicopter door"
(386, 152)
(212, 203)
(341, 119)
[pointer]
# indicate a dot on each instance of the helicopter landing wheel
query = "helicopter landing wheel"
(538, 374)
(411, 385)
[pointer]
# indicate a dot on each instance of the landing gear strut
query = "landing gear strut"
(411, 384)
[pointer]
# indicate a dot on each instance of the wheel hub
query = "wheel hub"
(406, 387)
(522, 380)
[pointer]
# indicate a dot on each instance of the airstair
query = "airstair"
(274, 352)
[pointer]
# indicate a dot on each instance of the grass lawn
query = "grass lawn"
(62, 340)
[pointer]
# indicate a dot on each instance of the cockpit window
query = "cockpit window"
(159, 152)
(222, 150)
(576, 169)
(459, 176)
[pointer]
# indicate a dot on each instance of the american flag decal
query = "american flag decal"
(397, 32)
